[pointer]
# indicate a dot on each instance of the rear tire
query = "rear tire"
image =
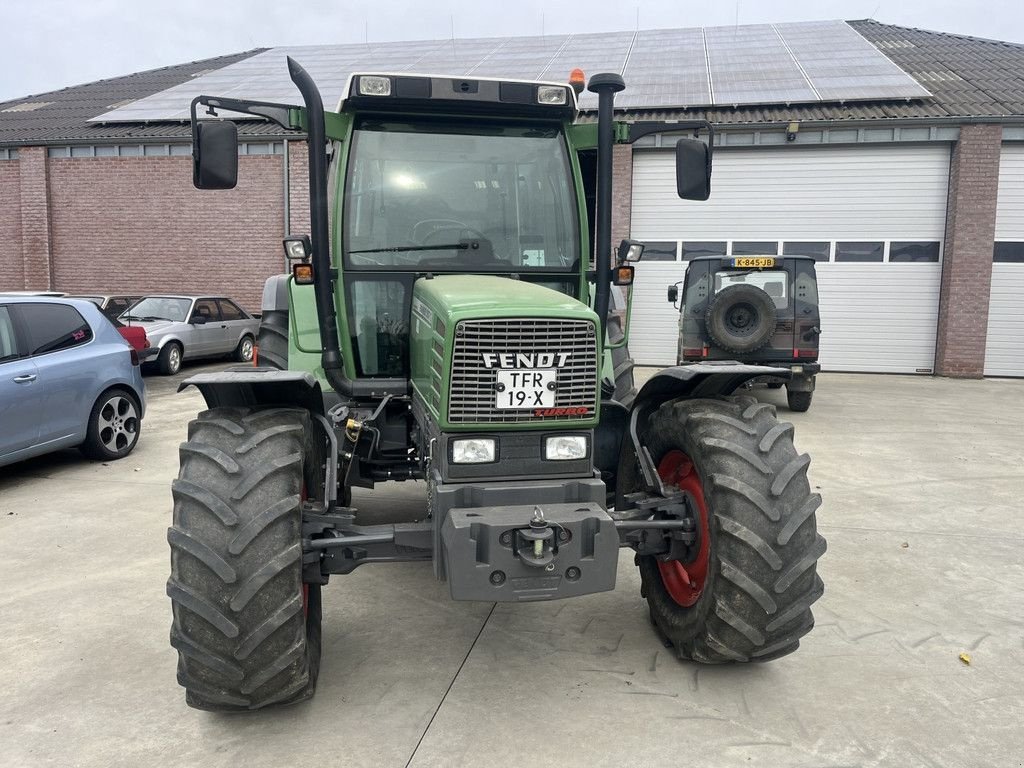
(244, 350)
(246, 628)
(169, 361)
(799, 402)
(114, 426)
(273, 339)
(755, 595)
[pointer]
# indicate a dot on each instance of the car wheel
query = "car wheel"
(114, 426)
(243, 352)
(169, 361)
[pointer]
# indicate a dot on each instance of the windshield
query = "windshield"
(159, 308)
(445, 196)
(772, 282)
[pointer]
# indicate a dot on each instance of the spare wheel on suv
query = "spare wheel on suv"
(740, 318)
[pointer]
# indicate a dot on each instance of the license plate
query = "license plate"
(526, 388)
(754, 261)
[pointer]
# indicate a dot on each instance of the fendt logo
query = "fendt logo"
(525, 360)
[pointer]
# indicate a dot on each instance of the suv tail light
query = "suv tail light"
(135, 356)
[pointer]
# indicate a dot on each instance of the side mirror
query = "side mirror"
(198, 320)
(673, 293)
(693, 169)
(630, 250)
(215, 154)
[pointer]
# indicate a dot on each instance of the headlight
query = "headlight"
(473, 450)
(565, 447)
(370, 85)
(552, 94)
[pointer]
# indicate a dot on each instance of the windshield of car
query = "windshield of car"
(159, 308)
(772, 282)
(443, 196)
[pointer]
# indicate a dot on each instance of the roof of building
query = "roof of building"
(64, 115)
(968, 77)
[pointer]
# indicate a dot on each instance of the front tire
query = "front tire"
(169, 361)
(748, 595)
(246, 628)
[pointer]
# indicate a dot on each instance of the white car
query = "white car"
(190, 327)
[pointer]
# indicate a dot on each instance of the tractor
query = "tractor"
(447, 320)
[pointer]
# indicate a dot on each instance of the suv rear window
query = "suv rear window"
(772, 282)
(52, 327)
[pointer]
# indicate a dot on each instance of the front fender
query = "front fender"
(619, 435)
(708, 379)
(248, 387)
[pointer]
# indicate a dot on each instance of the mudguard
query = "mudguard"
(618, 438)
(708, 379)
(248, 386)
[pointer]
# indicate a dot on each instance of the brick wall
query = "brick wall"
(12, 272)
(967, 259)
(298, 185)
(138, 224)
(622, 192)
(33, 190)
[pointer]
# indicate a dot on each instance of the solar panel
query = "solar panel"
(752, 65)
(842, 65)
(726, 66)
(666, 68)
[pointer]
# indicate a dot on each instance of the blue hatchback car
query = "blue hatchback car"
(67, 378)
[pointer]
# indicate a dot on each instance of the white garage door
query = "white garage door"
(874, 214)
(1004, 347)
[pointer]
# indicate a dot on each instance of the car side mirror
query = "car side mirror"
(198, 320)
(673, 293)
(215, 154)
(693, 169)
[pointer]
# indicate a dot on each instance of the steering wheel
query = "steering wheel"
(437, 226)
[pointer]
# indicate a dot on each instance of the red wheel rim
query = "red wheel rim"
(685, 583)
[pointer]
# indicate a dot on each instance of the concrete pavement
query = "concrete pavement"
(921, 480)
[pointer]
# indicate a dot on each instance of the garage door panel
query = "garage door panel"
(1004, 347)
(788, 190)
(654, 324)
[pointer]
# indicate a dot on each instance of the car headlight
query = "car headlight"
(473, 450)
(565, 447)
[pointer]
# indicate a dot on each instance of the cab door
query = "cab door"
(20, 398)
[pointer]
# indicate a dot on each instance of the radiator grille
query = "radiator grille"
(472, 393)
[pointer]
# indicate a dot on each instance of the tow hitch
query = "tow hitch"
(530, 552)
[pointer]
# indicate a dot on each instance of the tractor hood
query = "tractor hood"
(496, 353)
(462, 296)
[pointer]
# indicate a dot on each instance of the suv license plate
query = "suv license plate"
(754, 261)
(532, 388)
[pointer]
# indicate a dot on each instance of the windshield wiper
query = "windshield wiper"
(154, 317)
(406, 248)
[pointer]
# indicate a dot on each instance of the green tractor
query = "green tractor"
(448, 321)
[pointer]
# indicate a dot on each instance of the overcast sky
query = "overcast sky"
(51, 44)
